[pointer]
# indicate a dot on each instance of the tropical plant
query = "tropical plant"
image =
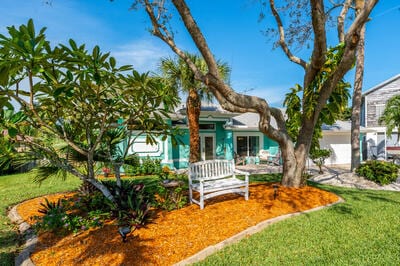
(171, 197)
(333, 110)
(179, 74)
(59, 221)
(13, 155)
(132, 206)
(380, 172)
(76, 99)
(391, 116)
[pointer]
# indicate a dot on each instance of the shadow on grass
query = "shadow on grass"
(7, 243)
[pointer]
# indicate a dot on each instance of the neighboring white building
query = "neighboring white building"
(337, 138)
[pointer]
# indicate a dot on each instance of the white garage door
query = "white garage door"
(340, 147)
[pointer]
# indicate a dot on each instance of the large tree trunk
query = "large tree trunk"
(356, 104)
(301, 151)
(193, 105)
(291, 173)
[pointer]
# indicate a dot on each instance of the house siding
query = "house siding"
(375, 102)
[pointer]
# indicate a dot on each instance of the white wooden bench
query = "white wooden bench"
(216, 177)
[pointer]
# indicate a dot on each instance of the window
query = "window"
(207, 126)
(379, 109)
(247, 145)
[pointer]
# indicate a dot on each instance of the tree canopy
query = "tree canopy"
(75, 99)
(294, 154)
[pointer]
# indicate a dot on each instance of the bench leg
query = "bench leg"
(201, 195)
(246, 193)
(190, 194)
(201, 201)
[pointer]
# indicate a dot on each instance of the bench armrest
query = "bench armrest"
(241, 172)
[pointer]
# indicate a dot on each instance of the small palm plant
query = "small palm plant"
(391, 116)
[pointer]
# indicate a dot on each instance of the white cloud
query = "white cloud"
(144, 55)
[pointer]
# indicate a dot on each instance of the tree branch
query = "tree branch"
(341, 18)
(351, 40)
(160, 31)
(318, 54)
(282, 41)
(197, 36)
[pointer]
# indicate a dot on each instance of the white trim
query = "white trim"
(141, 148)
(366, 111)
(202, 143)
(166, 150)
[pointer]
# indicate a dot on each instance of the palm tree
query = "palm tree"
(178, 74)
(391, 116)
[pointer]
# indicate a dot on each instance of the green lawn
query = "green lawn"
(17, 188)
(364, 230)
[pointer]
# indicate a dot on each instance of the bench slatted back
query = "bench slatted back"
(212, 169)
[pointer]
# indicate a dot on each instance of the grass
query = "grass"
(15, 189)
(364, 230)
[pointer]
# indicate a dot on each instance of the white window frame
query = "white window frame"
(202, 142)
(248, 134)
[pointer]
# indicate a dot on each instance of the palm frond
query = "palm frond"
(42, 173)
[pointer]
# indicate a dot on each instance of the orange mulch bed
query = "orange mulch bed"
(172, 236)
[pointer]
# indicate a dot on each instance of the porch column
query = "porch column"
(228, 144)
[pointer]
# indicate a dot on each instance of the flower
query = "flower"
(106, 170)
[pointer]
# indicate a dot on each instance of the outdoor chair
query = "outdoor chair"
(266, 157)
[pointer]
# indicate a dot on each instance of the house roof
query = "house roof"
(210, 112)
(342, 127)
(248, 121)
(382, 84)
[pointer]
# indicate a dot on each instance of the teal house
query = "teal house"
(223, 135)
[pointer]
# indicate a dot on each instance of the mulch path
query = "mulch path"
(172, 236)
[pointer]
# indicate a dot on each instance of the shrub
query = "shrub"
(380, 172)
(132, 203)
(150, 166)
(53, 218)
(86, 203)
(132, 165)
(318, 157)
(56, 219)
(172, 198)
(147, 167)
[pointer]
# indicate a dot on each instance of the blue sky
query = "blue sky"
(230, 27)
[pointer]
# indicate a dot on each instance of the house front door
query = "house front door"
(207, 146)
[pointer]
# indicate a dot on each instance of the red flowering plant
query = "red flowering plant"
(106, 171)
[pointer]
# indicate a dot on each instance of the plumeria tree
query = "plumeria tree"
(73, 98)
(294, 154)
